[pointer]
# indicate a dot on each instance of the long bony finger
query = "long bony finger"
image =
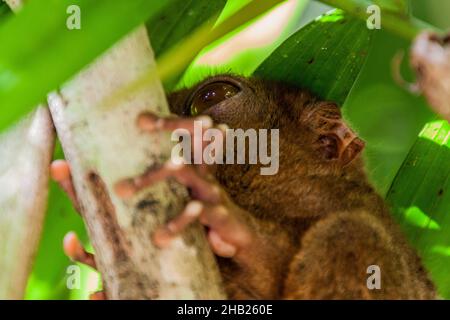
(60, 173)
(76, 252)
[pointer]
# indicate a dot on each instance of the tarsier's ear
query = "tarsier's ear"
(336, 140)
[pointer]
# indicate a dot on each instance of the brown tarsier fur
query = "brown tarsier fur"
(320, 224)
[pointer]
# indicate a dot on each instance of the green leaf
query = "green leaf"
(324, 57)
(179, 19)
(35, 61)
(420, 198)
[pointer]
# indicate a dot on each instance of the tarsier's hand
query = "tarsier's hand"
(228, 232)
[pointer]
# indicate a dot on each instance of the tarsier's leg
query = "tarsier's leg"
(334, 260)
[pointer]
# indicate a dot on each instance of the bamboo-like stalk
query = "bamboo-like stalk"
(25, 152)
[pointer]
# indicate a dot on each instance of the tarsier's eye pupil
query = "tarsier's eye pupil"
(211, 95)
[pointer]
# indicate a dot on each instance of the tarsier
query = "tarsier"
(310, 231)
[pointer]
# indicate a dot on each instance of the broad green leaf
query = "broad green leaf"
(420, 198)
(36, 60)
(324, 57)
(179, 19)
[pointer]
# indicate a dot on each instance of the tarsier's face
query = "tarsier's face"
(318, 153)
(312, 130)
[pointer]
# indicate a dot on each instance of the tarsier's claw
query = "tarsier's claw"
(75, 250)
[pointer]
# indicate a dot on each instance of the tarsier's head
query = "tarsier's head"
(314, 141)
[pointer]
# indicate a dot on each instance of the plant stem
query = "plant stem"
(402, 25)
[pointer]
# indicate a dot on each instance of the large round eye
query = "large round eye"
(210, 95)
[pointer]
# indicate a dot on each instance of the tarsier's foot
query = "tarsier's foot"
(210, 204)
